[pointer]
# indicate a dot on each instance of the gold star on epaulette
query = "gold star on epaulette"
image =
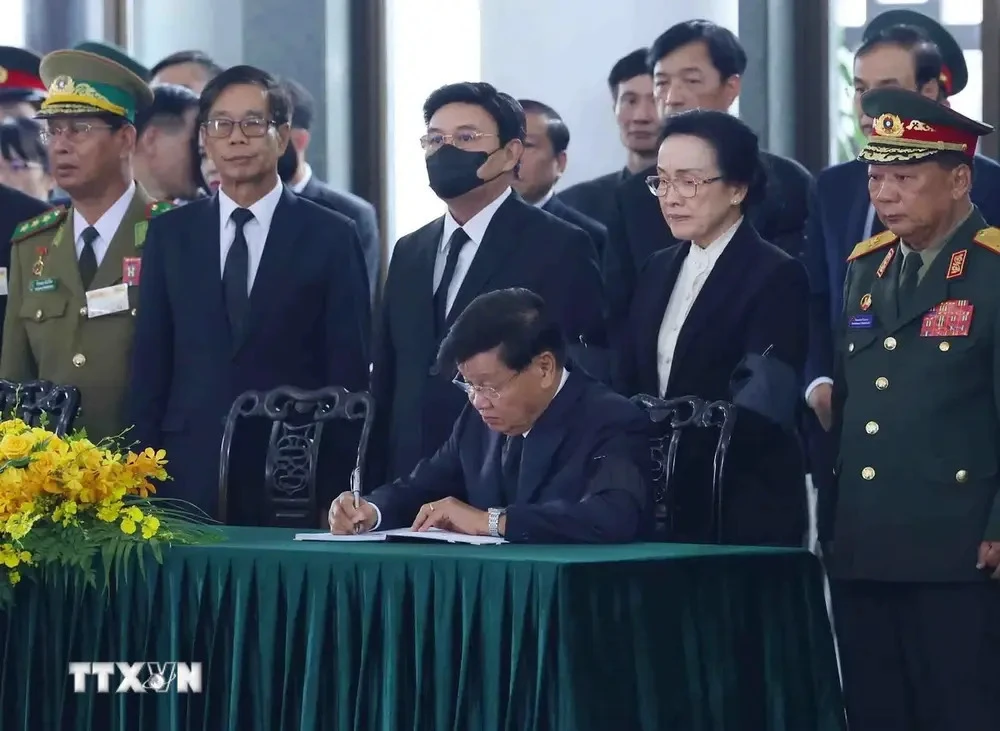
(155, 209)
(989, 238)
(42, 222)
(873, 244)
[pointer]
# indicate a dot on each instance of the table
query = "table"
(392, 637)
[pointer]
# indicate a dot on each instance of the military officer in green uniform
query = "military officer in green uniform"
(75, 271)
(915, 546)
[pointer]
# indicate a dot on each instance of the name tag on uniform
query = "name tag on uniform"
(42, 285)
(107, 300)
(3, 281)
(861, 321)
(949, 319)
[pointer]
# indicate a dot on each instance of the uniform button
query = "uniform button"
(133, 312)
(961, 476)
(881, 383)
(944, 346)
(850, 347)
(889, 343)
(868, 473)
(79, 360)
(38, 315)
(83, 312)
(871, 427)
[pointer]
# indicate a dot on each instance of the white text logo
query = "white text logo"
(137, 677)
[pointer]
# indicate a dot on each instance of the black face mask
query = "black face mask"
(452, 172)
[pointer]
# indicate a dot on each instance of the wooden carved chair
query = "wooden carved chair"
(36, 402)
(290, 463)
(672, 419)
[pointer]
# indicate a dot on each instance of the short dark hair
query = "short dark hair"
(212, 69)
(504, 109)
(555, 127)
(278, 104)
(628, 67)
(170, 103)
(516, 321)
(927, 59)
(737, 150)
(22, 137)
(303, 103)
(724, 48)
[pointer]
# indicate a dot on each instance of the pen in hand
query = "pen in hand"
(356, 493)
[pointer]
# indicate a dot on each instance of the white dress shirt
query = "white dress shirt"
(475, 228)
(306, 177)
(697, 265)
(255, 229)
(107, 225)
(562, 382)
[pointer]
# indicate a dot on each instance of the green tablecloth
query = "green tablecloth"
(393, 637)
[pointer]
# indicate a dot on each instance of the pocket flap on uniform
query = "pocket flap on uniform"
(40, 309)
(858, 340)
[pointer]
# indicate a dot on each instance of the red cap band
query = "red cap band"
(890, 128)
(21, 80)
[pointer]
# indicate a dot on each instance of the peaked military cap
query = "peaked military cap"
(954, 71)
(19, 76)
(116, 54)
(909, 127)
(80, 82)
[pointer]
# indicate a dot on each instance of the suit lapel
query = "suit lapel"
(204, 251)
(650, 334)
(884, 289)
(724, 278)
(491, 475)
(123, 243)
(61, 262)
(276, 262)
(545, 438)
(857, 215)
(421, 294)
(499, 242)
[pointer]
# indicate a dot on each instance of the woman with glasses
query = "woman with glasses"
(720, 305)
(24, 164)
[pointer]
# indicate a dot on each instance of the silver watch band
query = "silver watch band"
(494, 521)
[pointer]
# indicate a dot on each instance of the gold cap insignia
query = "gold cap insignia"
(3, 75)
(61, 84)
(918, 126)
(888, 125)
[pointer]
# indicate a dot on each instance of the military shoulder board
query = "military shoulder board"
(989, 238)
(42, 222)
(155, 209)
(873, 244)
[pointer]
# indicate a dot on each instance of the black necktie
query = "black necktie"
(908, 278)
(510, 466)
(235, 274)
(88, 259)
(458, 239)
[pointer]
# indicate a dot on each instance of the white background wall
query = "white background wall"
(556, 51)
(160, 28)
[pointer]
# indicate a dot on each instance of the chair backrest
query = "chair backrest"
(673, 418)
(40, 403)
(290, 463)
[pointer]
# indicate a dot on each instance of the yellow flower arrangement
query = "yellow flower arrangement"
(64, 500)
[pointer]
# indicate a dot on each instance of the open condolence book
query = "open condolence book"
(405, 534)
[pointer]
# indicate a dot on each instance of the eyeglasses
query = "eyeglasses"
(686, 187)
(461, 140)
(492, 394)
(72, 130)
(222, 128)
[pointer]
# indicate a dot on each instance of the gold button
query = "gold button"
(83, 312)
(850, 347)
(868, 473)
(889, 343)
(79, 360)
(961, 476)
(871, 427)
(881, 383)
(133, 312)
(38, 315)
(944, 346)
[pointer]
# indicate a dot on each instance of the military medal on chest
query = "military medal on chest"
(39, 267)
(952, 318)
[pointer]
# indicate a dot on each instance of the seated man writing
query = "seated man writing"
(540, 455)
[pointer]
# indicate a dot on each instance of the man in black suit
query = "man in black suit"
(489, 239)
(251, 289)
(304, 182)
(540, 455)
(697, 64)
(631, 86)
(546, 140)
(15, 208)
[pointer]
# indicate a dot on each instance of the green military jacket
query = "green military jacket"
(48, 334)
(917, 402)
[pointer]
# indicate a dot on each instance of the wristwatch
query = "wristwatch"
(494, 524)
